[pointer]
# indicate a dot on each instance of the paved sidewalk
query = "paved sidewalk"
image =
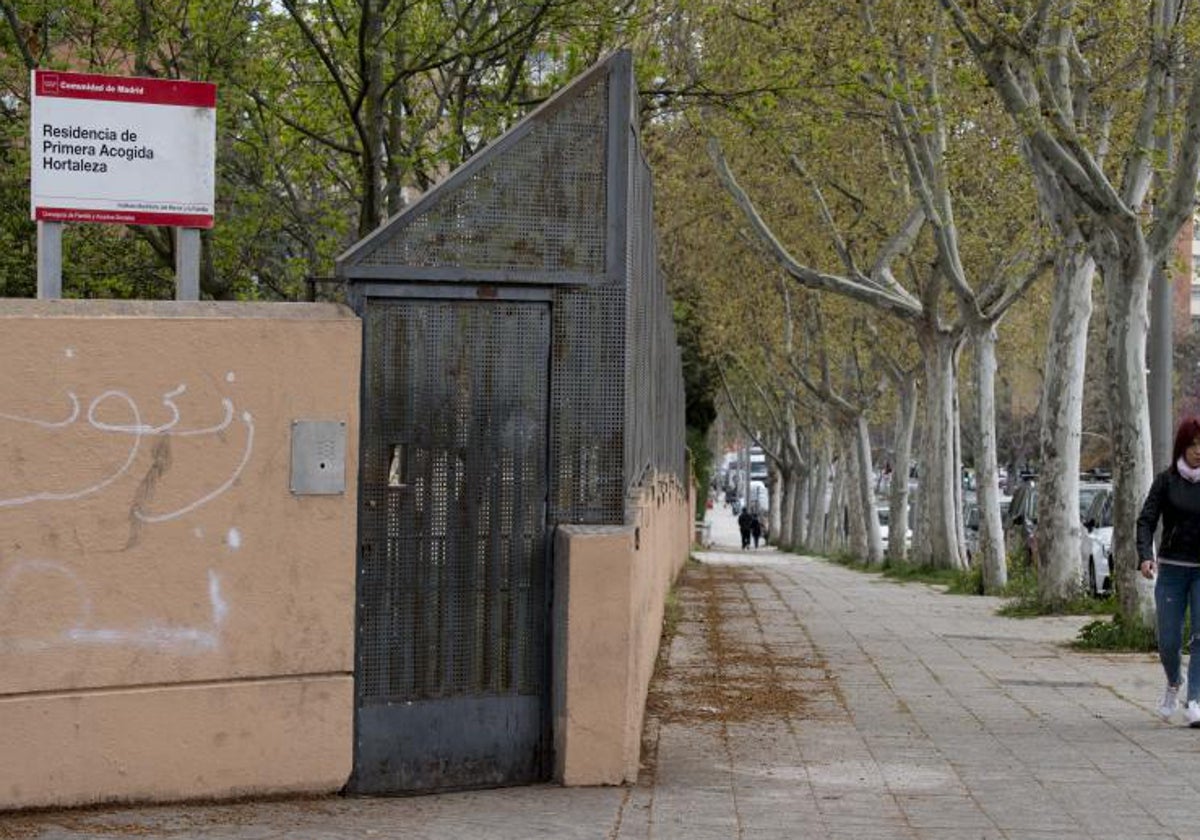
(804, 700)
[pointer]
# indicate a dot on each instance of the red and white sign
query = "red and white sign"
(122, 150)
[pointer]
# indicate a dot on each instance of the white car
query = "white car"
(971, 524)
(884, 513)
(1095, 553)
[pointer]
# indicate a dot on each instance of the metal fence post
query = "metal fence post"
(187, 263)
(49, 260)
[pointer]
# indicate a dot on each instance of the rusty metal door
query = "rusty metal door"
(452, 659)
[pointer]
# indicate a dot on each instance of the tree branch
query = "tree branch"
(325, 58)
(307, 132)
(1180, 198)
(995, 311)
(839, 243)
(879, 298)
(14, 23)
(1135, 180)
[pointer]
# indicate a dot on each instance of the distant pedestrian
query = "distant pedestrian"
(744, 521)
(1174, 498)
(756, 529)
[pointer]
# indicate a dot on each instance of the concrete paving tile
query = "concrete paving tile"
(862, 805)
(1048, 834)
(882, 832)
(940, 811)
(973, 834)
(921, 777)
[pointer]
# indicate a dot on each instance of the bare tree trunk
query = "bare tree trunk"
(866, 492)
(778, 480)
(839, 503)
(987, 477)
(920, 517)
(816, 536)
(898, 501)
(940, 475)
(371, 164)
(856, 516)
(960, 534)
(800, 511)
(1058, 530)
(1126, 271)
(789, 486)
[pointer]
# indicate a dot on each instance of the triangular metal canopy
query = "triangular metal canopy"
(543, 204)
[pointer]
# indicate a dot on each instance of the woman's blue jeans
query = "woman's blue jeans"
(1177, 591)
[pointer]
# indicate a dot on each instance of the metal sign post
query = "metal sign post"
(187, 264)
(49, 260)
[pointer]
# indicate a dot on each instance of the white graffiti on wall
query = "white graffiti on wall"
(138, 430)
(76, 626)
(79, 630)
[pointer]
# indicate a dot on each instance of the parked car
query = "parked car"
(1088, 491)
(971, 529)
(1095, 552)
(884, 512)
(971, 522)
(1021, 520)
(1020, 524)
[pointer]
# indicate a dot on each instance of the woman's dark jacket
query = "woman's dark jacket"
(1177, 501)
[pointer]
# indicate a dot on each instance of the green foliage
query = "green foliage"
(18, 235)
(1021, 588)
(672, 614)
(700, 376)
(956, 582)
(701, 459)
(1026, 605)
(1023, 596)
(968, 582)
(850, 561)
(1115, 634)
(937, 576)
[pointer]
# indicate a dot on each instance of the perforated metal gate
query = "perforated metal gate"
(452, 673)
(557, 215)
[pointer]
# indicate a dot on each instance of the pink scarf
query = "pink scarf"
(1190, 473)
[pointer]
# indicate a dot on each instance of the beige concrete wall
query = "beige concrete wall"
(611, 584)
(174, 622)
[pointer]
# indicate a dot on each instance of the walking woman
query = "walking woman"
(1174, 498)
(744, 520)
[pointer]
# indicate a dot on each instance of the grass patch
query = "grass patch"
(905, 573)
(1023, 597)
(672, 614)
(672, 609)
(956, 581)
(969, 582)
(845, 558)
(1114, 635)
(1027, 606)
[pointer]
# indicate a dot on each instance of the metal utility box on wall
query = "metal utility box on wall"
(318, 457)
(520, 372)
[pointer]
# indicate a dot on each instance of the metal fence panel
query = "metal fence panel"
(538, 206)
(453, 569)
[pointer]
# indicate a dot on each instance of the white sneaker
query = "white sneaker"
(1191, 713)
(1170, 702)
